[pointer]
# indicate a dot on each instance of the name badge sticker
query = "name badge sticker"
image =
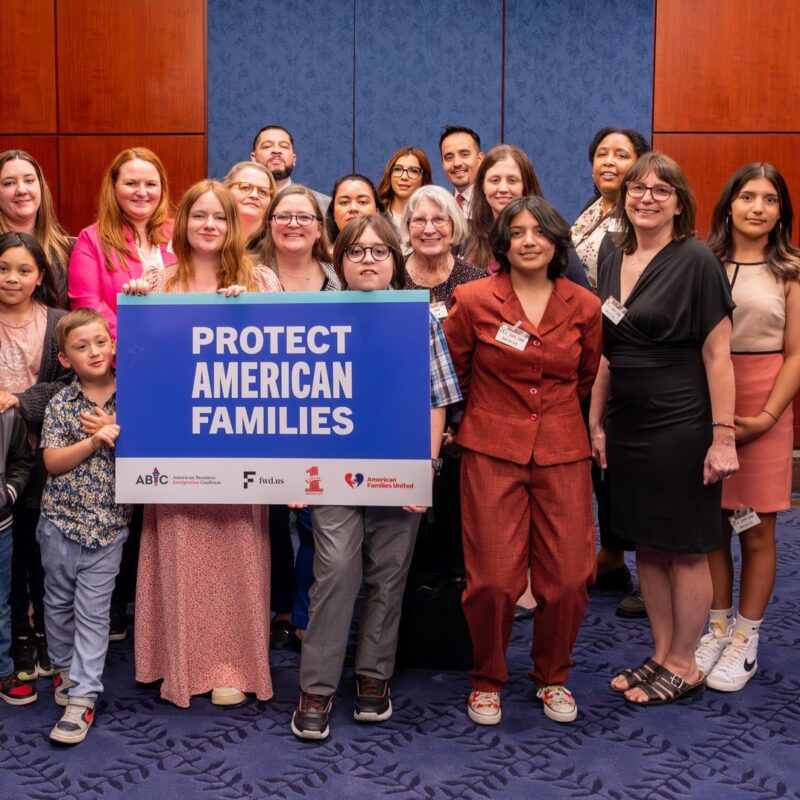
(743, 520)
(513, 336)
(614, 310)
(439, 309)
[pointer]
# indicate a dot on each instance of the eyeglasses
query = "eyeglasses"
(412, 172)
(659, 192)
(357, 252)
(303, 220)
(420, 222)
(247, 188)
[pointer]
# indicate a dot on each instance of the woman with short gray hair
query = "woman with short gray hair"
(433, 224)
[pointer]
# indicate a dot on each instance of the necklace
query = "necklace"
(20, 325)
(636, 266)
(307, 278)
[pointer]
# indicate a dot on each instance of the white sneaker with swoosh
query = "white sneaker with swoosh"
(711, 647)
(737, 664)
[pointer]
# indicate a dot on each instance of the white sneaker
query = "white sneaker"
(484, 707)
(227, 696)
(710, 648)
(558, 703)
(75, 723)
(61, 686)
(737, 664)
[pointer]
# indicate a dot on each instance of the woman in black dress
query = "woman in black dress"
(662, 415)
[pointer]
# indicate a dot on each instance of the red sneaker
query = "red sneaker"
(15, 692)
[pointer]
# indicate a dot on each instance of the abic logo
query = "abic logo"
(153, 479)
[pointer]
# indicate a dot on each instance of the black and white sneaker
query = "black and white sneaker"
(310, 718)
(75, 722)
(16, 693)
(44, 666)
(372, 699)
(117, 623)
(23, 653)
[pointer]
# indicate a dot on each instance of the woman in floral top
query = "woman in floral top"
(612, 153)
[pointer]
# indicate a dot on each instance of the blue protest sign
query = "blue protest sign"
(316, 397)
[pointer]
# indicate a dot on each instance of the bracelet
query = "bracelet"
(764, 411)
(723, 425)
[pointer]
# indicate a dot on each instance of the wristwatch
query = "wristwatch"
(436, 463)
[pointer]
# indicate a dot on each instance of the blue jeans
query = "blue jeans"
(303, 568)
(6, 546)
(291, 576)
(78, 582)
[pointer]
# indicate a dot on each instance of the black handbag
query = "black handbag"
(433, 630)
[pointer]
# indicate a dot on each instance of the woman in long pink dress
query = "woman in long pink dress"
(202, 599)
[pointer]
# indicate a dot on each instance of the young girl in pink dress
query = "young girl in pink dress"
(202, 599)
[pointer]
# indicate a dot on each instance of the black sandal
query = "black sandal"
(635, 676)
(667, 687)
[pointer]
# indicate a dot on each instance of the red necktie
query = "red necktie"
(461, 200)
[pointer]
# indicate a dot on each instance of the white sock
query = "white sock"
(721, 619)
(747, 627)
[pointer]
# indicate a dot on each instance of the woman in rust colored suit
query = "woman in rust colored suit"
(526, 345)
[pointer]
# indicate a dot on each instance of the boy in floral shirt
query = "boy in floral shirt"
(82, 528)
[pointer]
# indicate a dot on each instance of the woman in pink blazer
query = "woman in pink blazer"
(131, 233)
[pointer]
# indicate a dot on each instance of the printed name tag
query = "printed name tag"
(743, 520)
(439, 310)
(614, 310)
(513, 336)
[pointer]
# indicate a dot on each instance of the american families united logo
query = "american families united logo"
(353, 479)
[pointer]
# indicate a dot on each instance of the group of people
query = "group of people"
(619, 351)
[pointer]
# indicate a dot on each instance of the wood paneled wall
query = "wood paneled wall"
(83, 79)
(726, 89)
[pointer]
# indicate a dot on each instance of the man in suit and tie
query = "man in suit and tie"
(461, 154)
(273, 148)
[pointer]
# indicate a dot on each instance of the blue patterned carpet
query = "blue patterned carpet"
(744, 745)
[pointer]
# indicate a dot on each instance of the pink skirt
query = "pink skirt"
(202, 600)
(764, 479)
